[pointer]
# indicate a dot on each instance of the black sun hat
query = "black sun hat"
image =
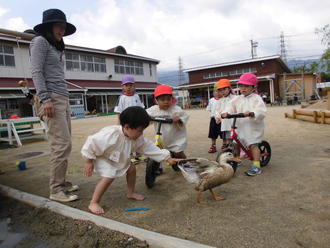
(52, 16)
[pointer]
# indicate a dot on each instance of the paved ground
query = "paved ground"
(287, 206)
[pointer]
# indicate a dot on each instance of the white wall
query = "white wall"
(22, 64)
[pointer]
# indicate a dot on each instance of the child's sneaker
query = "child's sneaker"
(253, 171)
(212, 149)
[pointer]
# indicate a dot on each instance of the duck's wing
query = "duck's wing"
(189, 173)
(202, 165)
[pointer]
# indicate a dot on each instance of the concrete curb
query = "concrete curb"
(155, 240)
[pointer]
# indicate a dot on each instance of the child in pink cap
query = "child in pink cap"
(129, 97)
(250, 130)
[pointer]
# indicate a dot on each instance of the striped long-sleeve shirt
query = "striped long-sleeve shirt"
(47, 68)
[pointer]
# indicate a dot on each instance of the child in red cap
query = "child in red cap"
(250, 130)
(174, 135)
(224, 88)
(129, 97)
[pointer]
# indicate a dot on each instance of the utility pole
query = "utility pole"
(282, 46)
(254, 46)
(180, 72)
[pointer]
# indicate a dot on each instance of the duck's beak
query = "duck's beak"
(237, 160)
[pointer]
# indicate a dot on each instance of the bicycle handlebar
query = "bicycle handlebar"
(239, 115)
(161, 119)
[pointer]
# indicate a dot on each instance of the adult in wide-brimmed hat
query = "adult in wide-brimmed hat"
(51, 16)
(47, 69)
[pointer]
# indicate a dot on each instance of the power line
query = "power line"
(283, 46)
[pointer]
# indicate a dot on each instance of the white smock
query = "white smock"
(221, 107)
(212, 106)
(174, 137)
(128, 101)
(250, 129)
(110, 150)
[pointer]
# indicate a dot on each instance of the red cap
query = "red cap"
(223, 83)
(163, 90)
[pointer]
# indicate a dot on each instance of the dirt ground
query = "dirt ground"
(286, 206)
(24, 226)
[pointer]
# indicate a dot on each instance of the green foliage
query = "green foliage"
(313, 67)
(325, 60)
(324, 63)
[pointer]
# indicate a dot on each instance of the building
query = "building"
(269, 70)
(94, 75)
(302, 85)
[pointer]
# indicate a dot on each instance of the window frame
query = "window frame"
(5, 55)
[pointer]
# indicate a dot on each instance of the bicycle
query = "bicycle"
(264, 146)
(152, 167)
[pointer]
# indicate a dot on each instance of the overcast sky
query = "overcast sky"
(202, 32)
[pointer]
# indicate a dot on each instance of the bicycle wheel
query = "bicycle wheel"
(265, 153)
(151, 169)
(175, 167)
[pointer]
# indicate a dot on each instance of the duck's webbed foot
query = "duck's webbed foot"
(215, 196)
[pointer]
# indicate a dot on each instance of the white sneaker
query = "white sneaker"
(69, 187)
(63, 197)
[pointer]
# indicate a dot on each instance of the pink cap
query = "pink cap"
(248, 79)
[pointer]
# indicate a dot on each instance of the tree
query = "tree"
(312, 67)
(325, 58)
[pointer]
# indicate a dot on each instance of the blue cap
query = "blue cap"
(128, 80)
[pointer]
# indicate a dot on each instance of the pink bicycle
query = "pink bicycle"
(264, 146)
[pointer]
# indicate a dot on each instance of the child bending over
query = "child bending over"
(108, 154)
(250, 130)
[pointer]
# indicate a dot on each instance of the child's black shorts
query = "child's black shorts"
(214, 129)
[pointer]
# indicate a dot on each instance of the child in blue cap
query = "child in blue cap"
(129, 97)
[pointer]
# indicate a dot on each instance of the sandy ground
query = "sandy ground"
(286, 206)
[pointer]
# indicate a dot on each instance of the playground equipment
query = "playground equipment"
(312, 115)
(21, 129)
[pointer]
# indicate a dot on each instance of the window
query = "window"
(72, 61)
(150, 69)
(128, 67)
(7, 57)
(253, 69)
(88, 63)
(230, 73)
(99, 64)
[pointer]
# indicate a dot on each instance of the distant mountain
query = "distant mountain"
(171, 78)
(300, 62)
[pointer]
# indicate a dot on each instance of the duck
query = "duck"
(205, 174)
